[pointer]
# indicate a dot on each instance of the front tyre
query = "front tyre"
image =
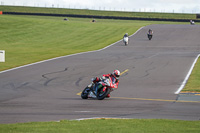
(125, 43)
(85, 92)
(150, 36)
(102, 94)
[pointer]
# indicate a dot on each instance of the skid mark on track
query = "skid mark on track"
(78, 81)
(51, 79)
(44, 75)
(48, 81)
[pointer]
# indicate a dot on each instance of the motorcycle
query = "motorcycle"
(125, 39)
(149, 36)
(192, 22)
(99, 90)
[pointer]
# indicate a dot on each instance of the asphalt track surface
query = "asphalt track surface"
(155, 70)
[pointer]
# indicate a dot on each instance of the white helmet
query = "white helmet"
(116, 73)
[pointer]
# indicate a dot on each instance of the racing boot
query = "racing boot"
(108, 96)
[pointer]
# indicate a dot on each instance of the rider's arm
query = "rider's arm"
(96, 79)
(106, 75)
(116, 83)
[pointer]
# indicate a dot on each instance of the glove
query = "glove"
(103, 78)
(92, 79)
(95, 79)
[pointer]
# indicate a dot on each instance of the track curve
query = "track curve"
(48, 91)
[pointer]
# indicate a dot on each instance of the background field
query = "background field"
(97, 13)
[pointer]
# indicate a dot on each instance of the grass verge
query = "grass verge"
(193, 84)
(105, 125)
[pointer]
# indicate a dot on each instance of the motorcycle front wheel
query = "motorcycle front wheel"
(102, 94)
(150, 37)
(85, 92)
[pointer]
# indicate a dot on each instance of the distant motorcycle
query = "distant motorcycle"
(192, 22)
(125, 39)
(150, 34)
(98, 90)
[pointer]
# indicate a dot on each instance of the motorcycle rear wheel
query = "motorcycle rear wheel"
(85, 92)
(102, 94)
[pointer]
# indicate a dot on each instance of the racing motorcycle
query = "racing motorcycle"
(125, 39)
(192, 22)
(99, 90)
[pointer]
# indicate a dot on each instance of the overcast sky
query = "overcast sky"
(177, 6)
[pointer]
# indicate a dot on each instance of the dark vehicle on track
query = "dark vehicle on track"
(150, 34)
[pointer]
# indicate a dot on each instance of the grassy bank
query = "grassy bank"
(105, 125)
(96, 12)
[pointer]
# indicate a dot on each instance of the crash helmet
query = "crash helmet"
(116, 73)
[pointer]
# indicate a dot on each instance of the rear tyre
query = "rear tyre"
(85, 92)
(102, 94)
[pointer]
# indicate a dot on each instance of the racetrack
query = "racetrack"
(48, 91)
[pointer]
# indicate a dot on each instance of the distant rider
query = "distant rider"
(126, 35)
(150, 32)
(114, 77)
(125, 39)
(191, 22)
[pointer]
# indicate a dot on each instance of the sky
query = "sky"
(171, 6)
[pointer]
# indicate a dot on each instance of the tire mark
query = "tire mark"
(51, 79)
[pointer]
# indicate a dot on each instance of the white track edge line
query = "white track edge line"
(64, 56)
(187, 76)
(92, 118)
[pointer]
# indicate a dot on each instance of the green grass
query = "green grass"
(98, 13)
(193, 84)
(105, 125)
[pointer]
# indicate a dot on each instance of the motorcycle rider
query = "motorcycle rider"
(125, 39)
(150, 32)
(126, 35)
(114, 77)
(191, 22)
